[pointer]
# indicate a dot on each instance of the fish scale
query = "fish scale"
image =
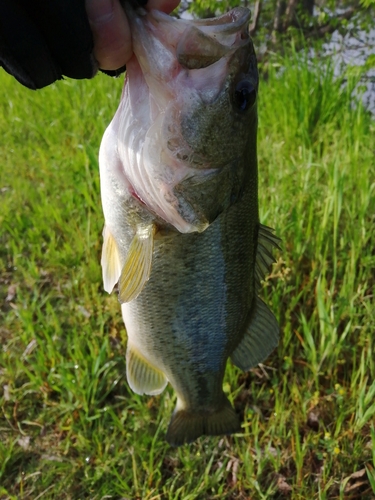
(182, 234)
(201, 303)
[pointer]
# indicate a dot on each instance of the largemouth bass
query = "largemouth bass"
(182, 237)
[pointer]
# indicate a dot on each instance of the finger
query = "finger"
(163, 5)
(110, 28)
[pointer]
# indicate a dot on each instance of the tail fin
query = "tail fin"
(186, 425)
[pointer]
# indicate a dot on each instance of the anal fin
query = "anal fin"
(186, 425)
(137, 266)
(143, 378)
(260, 339)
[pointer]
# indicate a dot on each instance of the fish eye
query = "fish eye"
(244, 95)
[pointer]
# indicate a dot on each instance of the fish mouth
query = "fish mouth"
(176, 64)
(165, 45)
(231, 21)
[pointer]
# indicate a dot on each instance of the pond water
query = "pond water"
(352, 49)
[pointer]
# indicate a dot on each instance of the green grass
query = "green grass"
(70, 428)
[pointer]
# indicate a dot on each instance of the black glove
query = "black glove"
(42, 40)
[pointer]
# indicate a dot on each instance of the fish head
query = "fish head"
(190, 98)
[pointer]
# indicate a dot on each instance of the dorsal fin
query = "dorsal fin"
(260, 338)
(264, 258)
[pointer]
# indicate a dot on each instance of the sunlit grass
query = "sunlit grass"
(69, 425)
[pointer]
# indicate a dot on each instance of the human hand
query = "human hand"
(110, 29)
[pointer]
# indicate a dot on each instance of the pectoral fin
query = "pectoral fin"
(137, 267)
(260, 339)
(142, 377)
(111, 266)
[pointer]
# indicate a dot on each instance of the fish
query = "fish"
(182, 240)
